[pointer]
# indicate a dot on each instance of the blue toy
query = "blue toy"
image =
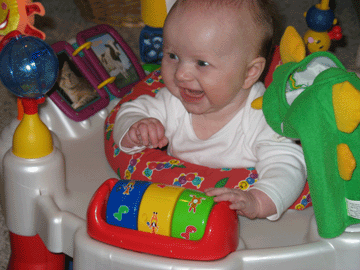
(29, 66)
(151, 42)
(153, 14)
(320, 18)
(120, 203)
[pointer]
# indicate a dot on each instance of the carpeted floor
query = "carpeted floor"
(63, 21)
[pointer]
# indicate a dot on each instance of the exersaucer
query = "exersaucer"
(48, 197)
(60, 203)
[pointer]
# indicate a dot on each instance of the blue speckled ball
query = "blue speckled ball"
(28, 67)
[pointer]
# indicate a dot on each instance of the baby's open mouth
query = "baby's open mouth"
(194, 92)
(189, 95)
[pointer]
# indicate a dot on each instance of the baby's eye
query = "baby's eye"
(173, 56)
(202, 63)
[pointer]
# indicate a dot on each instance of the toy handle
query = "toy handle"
(8, 37)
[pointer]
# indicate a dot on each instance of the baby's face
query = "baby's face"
(206, 57)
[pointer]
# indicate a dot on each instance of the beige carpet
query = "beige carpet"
(63, 21)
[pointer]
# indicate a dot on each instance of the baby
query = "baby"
(214, 54)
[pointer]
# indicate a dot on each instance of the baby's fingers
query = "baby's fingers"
(144, 133)
(222, 194)
(227, 196)
(239, 206)
(153, 137)
(216, 191)
(157, 133)
(239, 203)
(163, 142)
(134, 135)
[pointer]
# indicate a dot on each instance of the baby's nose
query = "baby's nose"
(183, 73)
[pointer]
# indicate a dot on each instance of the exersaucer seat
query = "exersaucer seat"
(157, 166)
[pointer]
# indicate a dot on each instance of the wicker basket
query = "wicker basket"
(114, 12)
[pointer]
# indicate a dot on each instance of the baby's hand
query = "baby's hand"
(244, 202)
(147, 132)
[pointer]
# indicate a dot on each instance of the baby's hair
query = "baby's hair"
(262, 11)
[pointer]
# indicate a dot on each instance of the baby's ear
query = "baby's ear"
(254, 71)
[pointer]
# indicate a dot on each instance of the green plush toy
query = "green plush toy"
(317, 101)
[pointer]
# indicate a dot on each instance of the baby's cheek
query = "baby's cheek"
(167, 74)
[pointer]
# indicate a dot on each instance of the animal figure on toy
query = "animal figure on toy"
(320, 19)
(19, 15)
(316, 100)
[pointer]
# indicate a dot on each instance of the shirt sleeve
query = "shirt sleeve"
(282, 171)
(280, 162)
(133, 111)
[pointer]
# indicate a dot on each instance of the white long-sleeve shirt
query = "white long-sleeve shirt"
(245, 141)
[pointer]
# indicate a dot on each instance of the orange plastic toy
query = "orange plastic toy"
(20, 15)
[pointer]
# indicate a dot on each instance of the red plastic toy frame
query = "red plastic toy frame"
(221, 235)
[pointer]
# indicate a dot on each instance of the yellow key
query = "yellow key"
(157, 208)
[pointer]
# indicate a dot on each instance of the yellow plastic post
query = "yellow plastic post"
(153, 12)
(32, 139)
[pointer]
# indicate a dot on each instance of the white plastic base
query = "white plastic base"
(49, 197)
